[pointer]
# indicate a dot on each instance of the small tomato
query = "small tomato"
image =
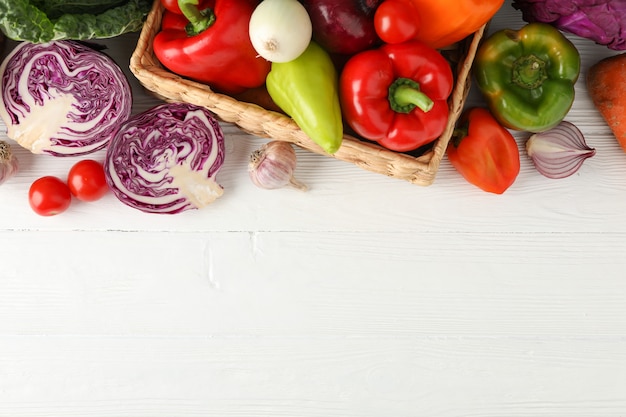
(49, 196)
(396, 21)
(86, 180)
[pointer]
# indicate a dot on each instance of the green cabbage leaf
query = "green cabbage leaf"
(40, 21)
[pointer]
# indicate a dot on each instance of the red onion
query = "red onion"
(559, 152)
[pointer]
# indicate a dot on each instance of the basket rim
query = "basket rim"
(260, 122)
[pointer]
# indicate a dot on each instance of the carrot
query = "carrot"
(606, 85)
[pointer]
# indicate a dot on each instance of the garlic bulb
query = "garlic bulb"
(272, 166)
(559, 152)
(8, 162)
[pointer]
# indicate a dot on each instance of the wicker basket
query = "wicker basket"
(258, 121)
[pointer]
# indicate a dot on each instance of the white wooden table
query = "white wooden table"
(365, 296)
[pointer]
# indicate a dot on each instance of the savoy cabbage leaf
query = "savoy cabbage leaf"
(23, 20)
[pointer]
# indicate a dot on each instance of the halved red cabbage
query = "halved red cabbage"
(165, 159)
(62, 98)
(602, 21)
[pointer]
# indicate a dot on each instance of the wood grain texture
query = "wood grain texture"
(374, 336)
(312, 376)
(366, 296)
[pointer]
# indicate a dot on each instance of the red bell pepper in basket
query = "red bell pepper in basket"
(172, 5)
(397, 94)
(212, 46)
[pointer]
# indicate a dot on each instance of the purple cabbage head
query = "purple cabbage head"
(62, 98)
(165, 159)
(603, 21)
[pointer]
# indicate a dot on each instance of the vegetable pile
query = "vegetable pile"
(374, 68)
(320, 61)
(527, 78)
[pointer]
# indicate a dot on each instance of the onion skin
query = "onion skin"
(559, 152)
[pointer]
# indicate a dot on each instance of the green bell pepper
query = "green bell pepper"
(307, 89)
(527, 76)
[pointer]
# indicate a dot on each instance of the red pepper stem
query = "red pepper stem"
(405, 95)
(199, 20)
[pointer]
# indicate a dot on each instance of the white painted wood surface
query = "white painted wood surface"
(365, 296)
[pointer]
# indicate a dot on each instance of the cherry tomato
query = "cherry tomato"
(86, 180)
(49, 196)
(396, 21)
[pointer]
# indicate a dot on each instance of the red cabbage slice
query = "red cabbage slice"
(165, 159)
(602, 21)
(62, 98)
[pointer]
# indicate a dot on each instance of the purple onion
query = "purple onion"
(165, 159)
(559, 152)
(62, 98)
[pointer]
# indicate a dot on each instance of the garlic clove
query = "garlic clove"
(8, 162)
(272, 166)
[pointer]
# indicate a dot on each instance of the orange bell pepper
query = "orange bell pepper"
(444, 22)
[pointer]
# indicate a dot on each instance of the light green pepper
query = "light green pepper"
(307, 90)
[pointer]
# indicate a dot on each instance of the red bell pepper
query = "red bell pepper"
(397, 94)
(172, 5)
(484, 152)
(212, 46)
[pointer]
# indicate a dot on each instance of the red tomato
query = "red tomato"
(48, 196)
(396, 21)
(86, 180)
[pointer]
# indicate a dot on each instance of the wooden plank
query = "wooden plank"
(346, 375)
(329, 283)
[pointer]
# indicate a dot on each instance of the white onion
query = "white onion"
(280, 30)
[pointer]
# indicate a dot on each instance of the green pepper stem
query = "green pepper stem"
(459, 133)
(199, 20)
(405, 95)
(529, 72)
